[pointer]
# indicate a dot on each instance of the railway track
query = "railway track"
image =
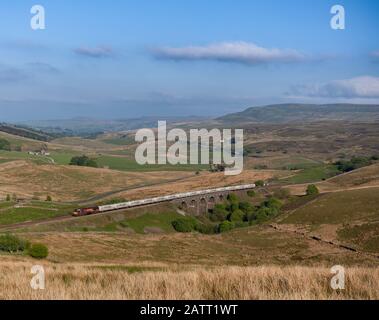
(127, 205)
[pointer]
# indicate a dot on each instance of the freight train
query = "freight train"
(138, 203)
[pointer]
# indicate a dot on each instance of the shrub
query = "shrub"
(38, 251)
(225, 226)
(83, 161)
(272, 203)
(268, 209)
(232, 198)
(49, 199)
(232, 206)
(236, 215)
(184, 224)
(5, 145)
(246, 207)
(206, 228)
(11, 243)
(241, 224)
(312, 190)
(265, 213)
(259, 183)
(219, 213)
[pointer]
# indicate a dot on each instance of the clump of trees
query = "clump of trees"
(83, 161)
(13, 244)
(229, 215)
(5, 145)
(354, 163)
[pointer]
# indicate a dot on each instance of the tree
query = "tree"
(272, 203)
(236, 215)
(353, 164)
(219, 213)
(232, 198)
(225, 226)
(8, 198)
(184, 224)
(248, 210)
(48, 198)
(312, 190)
(268, 209)
(83, 161)
(11, 243)
(38, 251)
(259, 183)
(5, 145)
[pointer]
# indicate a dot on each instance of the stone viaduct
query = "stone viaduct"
(201, 204)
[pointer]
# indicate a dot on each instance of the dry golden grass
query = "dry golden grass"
(66, 183)
(75, 281)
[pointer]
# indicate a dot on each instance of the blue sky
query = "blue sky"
(112, 59)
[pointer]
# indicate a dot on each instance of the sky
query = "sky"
(133, 58)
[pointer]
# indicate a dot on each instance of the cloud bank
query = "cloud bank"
(235, 52)
(94, 52)
(359, 87)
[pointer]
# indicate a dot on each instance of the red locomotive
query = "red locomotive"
(85, 211)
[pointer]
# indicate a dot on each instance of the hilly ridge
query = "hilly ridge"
(292, 113)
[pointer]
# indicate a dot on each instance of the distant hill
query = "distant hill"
(25, 132)
(88, 126)
(287, 113)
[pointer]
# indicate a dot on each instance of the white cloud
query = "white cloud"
(94, 52)
(240, 52)
(359, 87)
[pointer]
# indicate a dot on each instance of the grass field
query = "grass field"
(339, 207)
(75, 281)
(7, 156)
(130, 164)
(12, 212)
(16, 215)
(144, 223)
(312, 174)
(67, 183)
(365, 236)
